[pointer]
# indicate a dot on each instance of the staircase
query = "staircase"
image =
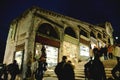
(79, 70)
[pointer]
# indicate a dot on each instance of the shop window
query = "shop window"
(92, 35)
(70, 32)
(18, 56)
(83, 33)
(47, 30)
(51, 53)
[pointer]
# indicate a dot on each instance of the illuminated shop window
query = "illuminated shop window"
(51, 52)
(52, 55)
(19, 58)
(84, 50)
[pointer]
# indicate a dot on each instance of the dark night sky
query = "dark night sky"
(91, 11)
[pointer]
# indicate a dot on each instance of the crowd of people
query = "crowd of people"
(12, 69)
(108, 51)
(93, 69)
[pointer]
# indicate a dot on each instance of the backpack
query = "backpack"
(88, 69)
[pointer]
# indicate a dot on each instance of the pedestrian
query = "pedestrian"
(5, 72)
(116, 70)
(68, 71)
(59, 68)
(88, 69)
(105, 50)
(97, 71)
(13, 69)
(42, 67)
(43, 50)
(110, 52)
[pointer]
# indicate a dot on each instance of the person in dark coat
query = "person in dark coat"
(88, 69)
(96, 68)
(105, 50)
(13, 69)
(68, 71)
(59, 68)
(98, 71)
(116, 70)
(42, 67)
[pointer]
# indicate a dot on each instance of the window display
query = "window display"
(19, 58)
(51, 53)
(84, 50)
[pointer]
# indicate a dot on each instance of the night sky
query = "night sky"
(91, 11)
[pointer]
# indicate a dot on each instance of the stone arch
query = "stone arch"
(82, 32)
(92, 34)
(99, 36)
(48, 30)
(70, 32)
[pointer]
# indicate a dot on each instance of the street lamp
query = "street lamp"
(116, 38)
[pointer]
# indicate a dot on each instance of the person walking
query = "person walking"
(105, 50)
(88, 69)
(65, 70)
(68, 71)
(110, 52)
(42, 67)
(13, 69)
(59, 68)
(96, 68)
(116, 70)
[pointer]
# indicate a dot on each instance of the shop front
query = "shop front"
(84, 49)
(70, 48)
(52, 50)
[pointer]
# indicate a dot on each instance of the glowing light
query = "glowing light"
(116, 37)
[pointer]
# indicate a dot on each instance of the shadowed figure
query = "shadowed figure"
(116, 70)
(13, 69)
(69, 71)
(64, 70)
(94, 69)
(42, 67)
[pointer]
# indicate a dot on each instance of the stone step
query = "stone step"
(79, 71)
